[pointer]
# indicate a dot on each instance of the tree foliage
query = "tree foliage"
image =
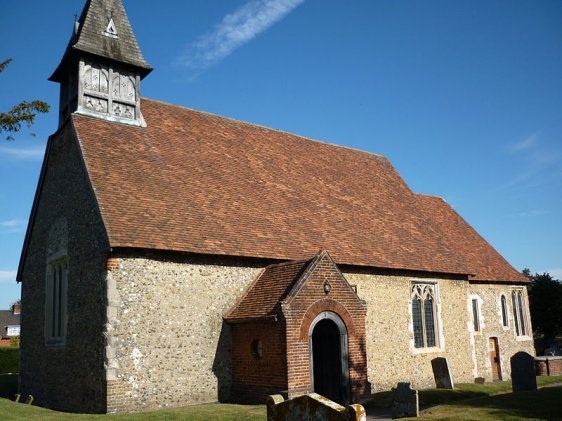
(24, 112)
(545, 299)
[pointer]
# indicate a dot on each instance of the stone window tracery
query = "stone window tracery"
(424, 315)
(519, 312)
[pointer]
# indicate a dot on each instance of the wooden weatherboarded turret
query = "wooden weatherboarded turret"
(102, 66)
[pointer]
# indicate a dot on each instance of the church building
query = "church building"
(176, 257)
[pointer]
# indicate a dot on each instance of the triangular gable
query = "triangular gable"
(280, 284)
(321, 262)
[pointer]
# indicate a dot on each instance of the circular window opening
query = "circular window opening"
(257, 349)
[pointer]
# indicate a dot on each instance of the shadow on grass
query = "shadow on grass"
(8, 385)
(545, 403)
(428, 397)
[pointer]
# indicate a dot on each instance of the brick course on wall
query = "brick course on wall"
(254, 378)
(311, 300)
(548, 366)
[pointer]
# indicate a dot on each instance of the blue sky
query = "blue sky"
(463, 97)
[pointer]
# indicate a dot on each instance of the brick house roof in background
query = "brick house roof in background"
(196, 182)
(7, 318)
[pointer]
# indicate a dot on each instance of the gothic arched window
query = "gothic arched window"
(424, 312)
(504, 311)
(519, 312)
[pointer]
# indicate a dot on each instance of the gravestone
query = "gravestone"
(479, 380)
(441, 373)
(405, 401)
(523, 372)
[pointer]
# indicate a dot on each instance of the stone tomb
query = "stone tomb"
(312, 407)
(523, 372)
(405, 401)
(441, 373)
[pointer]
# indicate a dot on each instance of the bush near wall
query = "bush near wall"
(9, 360)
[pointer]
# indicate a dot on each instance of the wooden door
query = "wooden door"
(495, 359)
(326, 357)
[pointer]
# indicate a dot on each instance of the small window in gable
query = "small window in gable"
(424, 315)
(503, 301)
(55, 308)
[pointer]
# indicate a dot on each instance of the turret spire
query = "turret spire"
(102, 66)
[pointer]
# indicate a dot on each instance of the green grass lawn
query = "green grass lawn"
(10, 411)
(491, 401)
(462, 391)
(544, 404)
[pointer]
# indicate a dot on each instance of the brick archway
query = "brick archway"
(336, 387)
(320, 306)
(280, 310)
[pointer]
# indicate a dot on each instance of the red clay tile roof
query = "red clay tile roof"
(483, 261)
(193, 181)
(269, 288)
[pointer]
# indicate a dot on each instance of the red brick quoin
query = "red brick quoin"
(272, 324)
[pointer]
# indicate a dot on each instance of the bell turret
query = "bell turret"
(102, 66)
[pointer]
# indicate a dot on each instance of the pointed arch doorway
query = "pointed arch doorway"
(329, 357)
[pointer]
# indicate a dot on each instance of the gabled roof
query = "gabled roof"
(91, 37)
(196, 182)
(481, 259)
(268, 290)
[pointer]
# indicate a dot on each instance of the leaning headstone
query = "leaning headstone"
(479, 380)
(523, 372)
(405, 401)
(441, 373)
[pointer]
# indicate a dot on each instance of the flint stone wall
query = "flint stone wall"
(491, 326)
(67, 222)
(391, 355)
(167, 343)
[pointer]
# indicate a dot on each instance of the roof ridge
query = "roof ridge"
(432, 196)
(247, 123)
